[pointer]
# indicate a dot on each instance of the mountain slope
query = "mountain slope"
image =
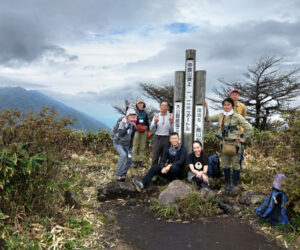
(32, 100)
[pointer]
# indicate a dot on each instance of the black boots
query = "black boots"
(236, 177)
(227, 178)
(200, 183)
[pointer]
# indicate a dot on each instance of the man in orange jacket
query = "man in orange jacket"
(239, 108)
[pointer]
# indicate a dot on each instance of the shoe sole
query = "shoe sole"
(136, 187)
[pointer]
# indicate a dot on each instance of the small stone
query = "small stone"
(71, 200)
(236, 208)
(235, 191)
(245, 197)
(206, 193)
(110, 217)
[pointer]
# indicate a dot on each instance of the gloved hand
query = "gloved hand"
(149, 134)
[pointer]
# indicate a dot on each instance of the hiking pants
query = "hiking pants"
(174, 173)
(160, 143)
(228, 161)
(124, 162)
(139, 143)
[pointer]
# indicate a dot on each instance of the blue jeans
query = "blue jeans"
(124, 162)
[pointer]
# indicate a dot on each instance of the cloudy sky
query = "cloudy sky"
(90, 54)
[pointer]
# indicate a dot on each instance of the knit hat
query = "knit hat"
(140, 100)
(277, 181)
(130, 111)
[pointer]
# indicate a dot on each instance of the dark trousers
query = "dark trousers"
(160, 143)
(174, 173)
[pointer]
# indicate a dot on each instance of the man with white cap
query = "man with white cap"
(122, 142)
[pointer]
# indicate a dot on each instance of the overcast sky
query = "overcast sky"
(93, 53)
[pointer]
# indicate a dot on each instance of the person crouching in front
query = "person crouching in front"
(171, 165)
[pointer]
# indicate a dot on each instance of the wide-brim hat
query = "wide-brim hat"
(139, 100)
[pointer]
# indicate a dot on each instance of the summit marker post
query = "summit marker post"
(189, 98)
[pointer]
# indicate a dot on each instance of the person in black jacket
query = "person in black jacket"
(171, 164)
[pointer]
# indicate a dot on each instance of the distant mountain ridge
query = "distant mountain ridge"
(33, 100)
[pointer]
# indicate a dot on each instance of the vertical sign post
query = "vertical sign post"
(189, 98)
(199, 105)
(178, 100)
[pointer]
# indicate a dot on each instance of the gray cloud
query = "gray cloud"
(226, 52)
(8, 82)
(113, 96)
(23, 39)
(31, 29)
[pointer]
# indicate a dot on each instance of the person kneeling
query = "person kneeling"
(171, 165)
(198, 165)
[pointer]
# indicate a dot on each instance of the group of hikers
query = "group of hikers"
(169, 156)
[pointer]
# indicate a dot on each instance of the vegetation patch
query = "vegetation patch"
(193, 207)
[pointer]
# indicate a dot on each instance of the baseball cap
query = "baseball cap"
(233, 90)
(130, 111)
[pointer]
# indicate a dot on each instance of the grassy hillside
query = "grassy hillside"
(40, 158)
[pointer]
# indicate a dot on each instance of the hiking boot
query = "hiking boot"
(135, 164)
(235, 177)
(138, 185)
(204, 185)
(120, 177)
(227, 179)
(241, 166)
(223, 206)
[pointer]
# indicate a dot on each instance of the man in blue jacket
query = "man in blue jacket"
(171, 165)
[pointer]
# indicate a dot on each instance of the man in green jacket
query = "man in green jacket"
(229, 124)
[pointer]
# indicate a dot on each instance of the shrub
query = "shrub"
(26, 180)
(278, 152)
(98, 143)
(211, 143)
(41, 132)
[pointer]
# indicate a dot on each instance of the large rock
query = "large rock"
(116, 189)
(176, 189)
(257, 199)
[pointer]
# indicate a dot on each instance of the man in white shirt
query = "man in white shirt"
(162, 123)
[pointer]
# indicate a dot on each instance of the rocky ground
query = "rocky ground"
(122, 218)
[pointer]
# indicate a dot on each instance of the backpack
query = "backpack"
(214, 166)
(114, 133)
(273, 209)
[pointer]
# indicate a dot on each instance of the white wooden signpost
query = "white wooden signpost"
(189, 98)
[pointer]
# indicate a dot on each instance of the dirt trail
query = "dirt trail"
(143, 231)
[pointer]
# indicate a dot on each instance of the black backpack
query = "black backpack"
(115, 129)
(214, 166)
